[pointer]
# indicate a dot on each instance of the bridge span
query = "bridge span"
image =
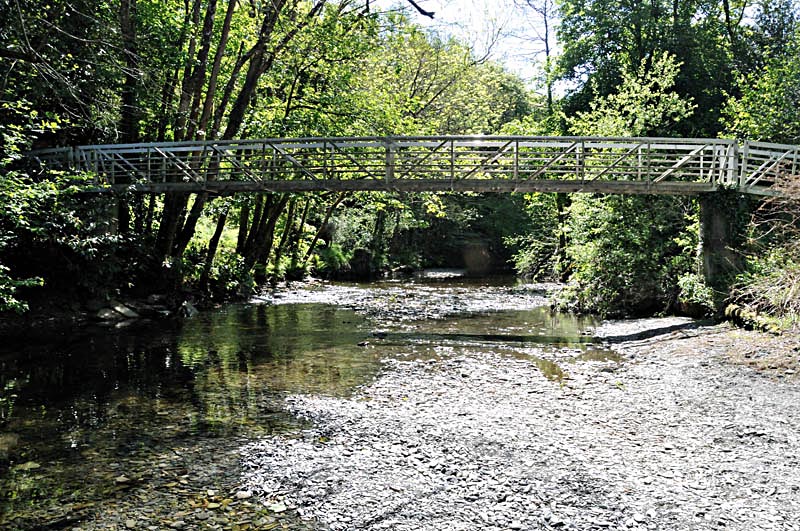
(676, 166)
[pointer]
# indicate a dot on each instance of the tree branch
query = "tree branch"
(5, 53)
(421, 11)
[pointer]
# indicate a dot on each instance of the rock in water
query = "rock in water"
(123, 310)
(107, 314)
(188, 310)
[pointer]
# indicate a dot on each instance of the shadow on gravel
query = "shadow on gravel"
(651, 333)
(402, 337)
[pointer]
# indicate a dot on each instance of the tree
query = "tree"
(645, 104)
(602, 40)
(767, 107)
(766, 292)
(627, 252)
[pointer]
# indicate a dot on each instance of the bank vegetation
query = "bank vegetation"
(88, 72)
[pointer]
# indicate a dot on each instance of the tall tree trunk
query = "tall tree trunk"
(123, 215)
(213, 244)
(244, 220)
(258, 213)
(287, 229)
(175, 202)
(129, 111)
(563, 202)
(186, 233)
(171, 84)
(165, 113)
(199, 74)
(322, 226)
(262, 242)
(208, 104)
(297, 234)
(261, 60)
(139, 214)
(168, 225)
(186, 94)
(377, 243)
(227, 94)
(148, 220)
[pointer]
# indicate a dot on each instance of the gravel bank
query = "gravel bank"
(675, 437)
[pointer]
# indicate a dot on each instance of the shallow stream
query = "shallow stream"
(79, 412)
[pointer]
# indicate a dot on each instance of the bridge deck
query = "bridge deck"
(458, 163)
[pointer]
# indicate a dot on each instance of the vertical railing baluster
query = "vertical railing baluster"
(452, 162)
(639, 163)
(702, 163)
(325, 159)
(390, 157)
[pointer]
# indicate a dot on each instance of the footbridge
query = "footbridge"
(677, 166)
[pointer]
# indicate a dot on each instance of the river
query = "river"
(76, 405)
(438, 402)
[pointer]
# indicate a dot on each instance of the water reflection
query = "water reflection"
(108, 394)
(76, 407)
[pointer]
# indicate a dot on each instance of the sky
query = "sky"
(495, 27)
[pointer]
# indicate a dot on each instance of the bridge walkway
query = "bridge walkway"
(676, 166)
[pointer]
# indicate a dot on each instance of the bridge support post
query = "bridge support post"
(390, 155)
(722, 224)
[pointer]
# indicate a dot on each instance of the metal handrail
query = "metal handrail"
(419, 163)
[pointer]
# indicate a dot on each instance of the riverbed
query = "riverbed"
(437, 403)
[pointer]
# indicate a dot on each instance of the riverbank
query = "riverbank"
(678, 436)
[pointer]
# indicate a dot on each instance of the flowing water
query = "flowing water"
(76, 406)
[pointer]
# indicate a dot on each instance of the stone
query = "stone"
(123, 310)
(188, 310)
(8, 442)
(108, 314)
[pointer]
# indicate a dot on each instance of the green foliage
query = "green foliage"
(228, 277)
(767, 107)
(770, 287)
(767, 293)
(624, 256)
(8, 291)
(535, 250)
(50, 236)
(604, 39)
(331, 260)
(695, 297)
(645, 104)
(415, 82)
(658, 68)
(626, 252)
(8, 397)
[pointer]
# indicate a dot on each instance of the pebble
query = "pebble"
(463, 436)
(477, 438)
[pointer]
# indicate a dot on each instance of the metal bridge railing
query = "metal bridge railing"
(626, 165)
(765, 166)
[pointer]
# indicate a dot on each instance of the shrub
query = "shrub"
(695, 297)
(331, 260)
